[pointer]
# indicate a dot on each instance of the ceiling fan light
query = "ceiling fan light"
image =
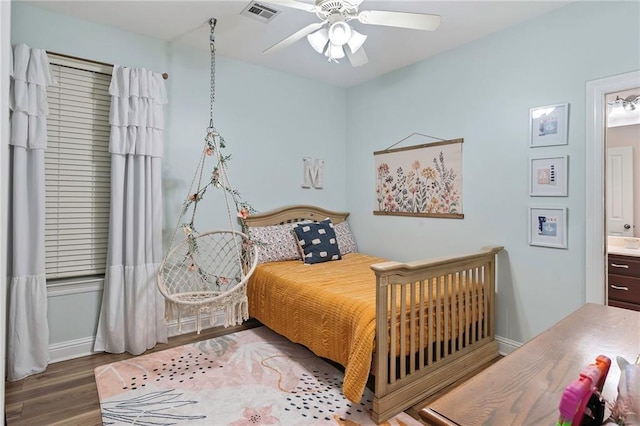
(319, 40)
(356, 41)
(335, 51)
(340, 33)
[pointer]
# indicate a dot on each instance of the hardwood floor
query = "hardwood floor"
(66, 393)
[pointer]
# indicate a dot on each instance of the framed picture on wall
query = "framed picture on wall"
(548, 227)
(548, 176)
(549, 125)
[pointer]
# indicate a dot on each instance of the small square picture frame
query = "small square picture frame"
(548, 227)
(549, 125)
(548, 176)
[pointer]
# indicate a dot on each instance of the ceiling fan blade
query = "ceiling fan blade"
(295, 37)
(357, 59)
(416, 21)
(293, 4)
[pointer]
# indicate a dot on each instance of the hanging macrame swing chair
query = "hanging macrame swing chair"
(208, 272)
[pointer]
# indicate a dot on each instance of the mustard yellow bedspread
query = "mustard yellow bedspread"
(328, 307)
(331, 309)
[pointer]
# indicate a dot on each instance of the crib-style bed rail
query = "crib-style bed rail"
(439, 321)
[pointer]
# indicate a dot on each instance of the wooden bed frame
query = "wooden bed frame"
(404, 381)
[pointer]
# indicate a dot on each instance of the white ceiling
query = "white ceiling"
(238, 37)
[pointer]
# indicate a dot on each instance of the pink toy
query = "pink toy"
(576, 396)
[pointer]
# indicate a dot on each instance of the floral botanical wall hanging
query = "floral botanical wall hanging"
(420, 180)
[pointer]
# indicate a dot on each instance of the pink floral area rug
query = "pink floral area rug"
(252, 377)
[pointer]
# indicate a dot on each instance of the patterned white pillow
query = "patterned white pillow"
(346, 241)
(275, 243)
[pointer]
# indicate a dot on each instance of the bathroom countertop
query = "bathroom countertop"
(623, 251)
(617, 245)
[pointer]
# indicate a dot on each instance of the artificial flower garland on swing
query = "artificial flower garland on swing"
(208, 272)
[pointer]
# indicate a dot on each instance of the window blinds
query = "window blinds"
(77, 170)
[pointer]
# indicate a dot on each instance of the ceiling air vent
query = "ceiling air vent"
(259, 11)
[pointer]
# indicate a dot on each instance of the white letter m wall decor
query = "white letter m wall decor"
(312, 173)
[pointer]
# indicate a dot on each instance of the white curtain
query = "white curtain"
(27, 328)
(132, 313)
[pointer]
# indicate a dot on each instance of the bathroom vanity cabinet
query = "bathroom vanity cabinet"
(624, 281)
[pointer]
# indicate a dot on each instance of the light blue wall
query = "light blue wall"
(270, 120)
(59, 33)
(482, 92)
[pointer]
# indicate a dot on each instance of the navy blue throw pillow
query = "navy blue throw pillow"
(318, 241)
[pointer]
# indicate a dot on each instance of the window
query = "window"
(77, 169)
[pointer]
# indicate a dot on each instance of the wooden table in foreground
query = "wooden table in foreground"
(525, 387)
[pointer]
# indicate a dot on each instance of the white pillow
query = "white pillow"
(275, 243)
(346, 241)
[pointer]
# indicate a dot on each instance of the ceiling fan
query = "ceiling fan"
(335, 38)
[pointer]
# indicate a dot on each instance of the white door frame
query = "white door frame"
(594, 184)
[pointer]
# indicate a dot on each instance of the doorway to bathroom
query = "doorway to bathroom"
(622, 143)
(599, 94)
